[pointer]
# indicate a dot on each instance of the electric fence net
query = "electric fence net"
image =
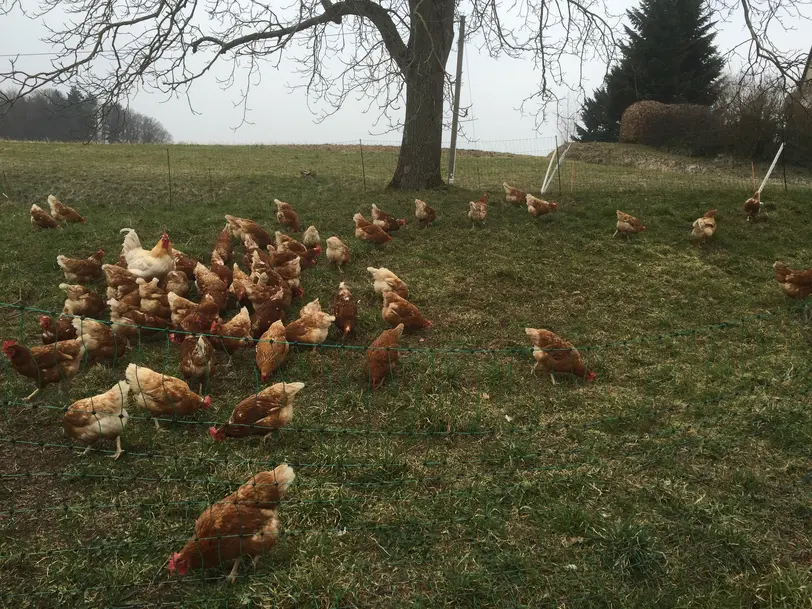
(437, 485)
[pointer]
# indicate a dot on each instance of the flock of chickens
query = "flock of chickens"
(147, 293)
(794, 283)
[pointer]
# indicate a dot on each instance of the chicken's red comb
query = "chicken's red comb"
(590, 376)
(207, 401)
(9, 344)
(172, 561)
(44, 321)
(215, 435)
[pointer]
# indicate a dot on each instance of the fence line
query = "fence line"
(789, 308)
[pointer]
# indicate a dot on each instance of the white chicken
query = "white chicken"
(147, 264)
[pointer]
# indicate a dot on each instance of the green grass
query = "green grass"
(680, 478)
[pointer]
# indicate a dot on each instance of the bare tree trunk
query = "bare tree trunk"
(420, 151)
(419, 161)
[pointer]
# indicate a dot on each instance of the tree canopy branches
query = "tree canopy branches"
(386, 50)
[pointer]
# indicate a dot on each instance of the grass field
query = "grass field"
(680, 478)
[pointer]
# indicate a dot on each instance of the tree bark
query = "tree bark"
(420, 150)
(432, 34)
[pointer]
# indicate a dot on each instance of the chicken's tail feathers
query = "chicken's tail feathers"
(131, 240)
(284, 477)
(131, 374)
(293, 388)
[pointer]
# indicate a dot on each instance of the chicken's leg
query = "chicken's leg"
(87, 450)
(552, 378)
(266, 437)
(533, 371)
(232, 577)
(157, 425)
(255, 560)
(32, 396)
(119, 450)
(615, 235)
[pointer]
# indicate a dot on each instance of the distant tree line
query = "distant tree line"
(55, 116)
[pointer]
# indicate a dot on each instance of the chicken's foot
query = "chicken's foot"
(119, 450)
(232, 577)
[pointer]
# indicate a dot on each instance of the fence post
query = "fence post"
(559, 169)
(363, 167)
(169, 172)
(572, 177)
(452, 149)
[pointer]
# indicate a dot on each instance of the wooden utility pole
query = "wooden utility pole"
(806, 79)
(452, 151)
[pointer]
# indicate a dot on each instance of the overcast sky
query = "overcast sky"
(493, 88)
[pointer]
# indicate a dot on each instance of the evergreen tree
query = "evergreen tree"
(669, 56)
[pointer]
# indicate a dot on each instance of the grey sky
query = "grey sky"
(494, 89)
